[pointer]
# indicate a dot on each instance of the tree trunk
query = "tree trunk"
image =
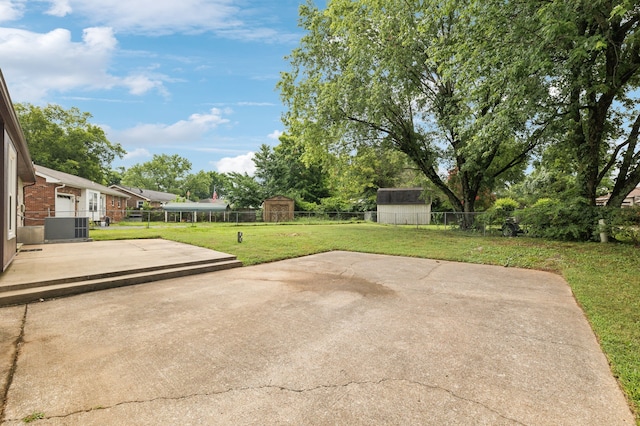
(621, 191)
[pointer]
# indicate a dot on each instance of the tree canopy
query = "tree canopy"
(372, 73)
(244, 191)
(284, 170)
(594, 50)
(166, 173)
(65, 140)
(589, 53)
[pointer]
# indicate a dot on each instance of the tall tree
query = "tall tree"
(596, 59)
(357, 176)
(65, 140)
(219, 184)
(164, 172)
(244, 191)
(285, 170)
(370, 72)
(589, 51)
(114, 177)
(198, 185)
(272, 171)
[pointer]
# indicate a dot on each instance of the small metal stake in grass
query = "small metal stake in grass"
(239, 237)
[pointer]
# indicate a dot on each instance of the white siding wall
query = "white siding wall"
(412, 214)
(11, 188)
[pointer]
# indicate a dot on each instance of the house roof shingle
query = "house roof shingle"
(75, 181)
(146, 194)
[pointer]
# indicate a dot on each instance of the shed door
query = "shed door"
(65, 205)
(279, 212)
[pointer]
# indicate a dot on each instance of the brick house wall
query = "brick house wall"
(40, 202)
(132, 202)
(116, 207)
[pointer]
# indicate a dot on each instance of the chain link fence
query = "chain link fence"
(476, 222)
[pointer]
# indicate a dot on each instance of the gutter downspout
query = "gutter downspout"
(24, 215)
(55, 194)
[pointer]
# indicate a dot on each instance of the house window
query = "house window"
(119, 205)
(93, 201)
(12, 185)
(113, 202)
(140, 204)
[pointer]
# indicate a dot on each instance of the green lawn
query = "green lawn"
(605, 278)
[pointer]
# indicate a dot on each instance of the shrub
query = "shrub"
(306, 206)
(333, 204)
(569, 220)
(623, 224)
(501, 209)
(506, 205)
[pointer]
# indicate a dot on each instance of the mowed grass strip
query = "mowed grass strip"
(605, 278)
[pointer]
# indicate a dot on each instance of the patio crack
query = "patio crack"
(286, 389)
(17, 344)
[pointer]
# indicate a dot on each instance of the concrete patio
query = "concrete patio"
(334, 338)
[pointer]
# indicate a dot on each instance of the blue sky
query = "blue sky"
(189, 77)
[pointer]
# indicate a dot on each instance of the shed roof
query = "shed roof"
(74, 181)
(387, 196)
(217, 206)
(279, 198)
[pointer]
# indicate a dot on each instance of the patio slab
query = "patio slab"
(65, 261)
(333, 338)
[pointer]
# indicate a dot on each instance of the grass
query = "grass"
(33, 417)
(604, 277)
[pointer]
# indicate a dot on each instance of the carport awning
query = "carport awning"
(196, 207)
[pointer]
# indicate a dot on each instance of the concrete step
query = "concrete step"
(111, 274)
(32, 292)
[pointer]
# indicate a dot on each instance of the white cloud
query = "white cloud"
(137, 153)
(179, 133)
(10, 10)
(257, 34)
(240, 164)
(158, 17)
(139, 84)
(59, 8)
(275, 134)
(257, 104)
(36, 64)
(226, 18)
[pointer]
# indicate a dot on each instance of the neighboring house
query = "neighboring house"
(138, 197)
(633, 199)
(16, 171)
(403, 206)
(58, 194)
(278, 209)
